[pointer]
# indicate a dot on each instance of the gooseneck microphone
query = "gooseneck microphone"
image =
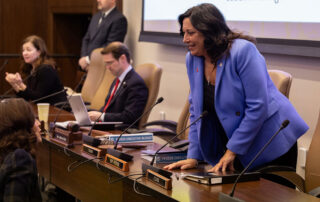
(164, 172)
(160, 99)
(3, 65)
(228, 198)
(48, 96)
(87, 139)
(123, 86)
(23, 80)
(1, 68)
(204, 114)
(123, 156)
(68, 98)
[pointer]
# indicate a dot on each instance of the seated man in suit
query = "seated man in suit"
(106, 26)
(128, 93)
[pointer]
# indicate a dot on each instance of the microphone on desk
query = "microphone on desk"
(123, 86)
(48, 96)
(121, 155)
(161, 171)
(229, 198)
(87, 139)
(4, 65)
(1, 68)
(68, 98)
(23, 80)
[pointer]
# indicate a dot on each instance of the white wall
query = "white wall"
(305, 89)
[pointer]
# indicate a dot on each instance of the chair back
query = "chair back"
(151, 74)
(184, 121)
(282, 80)
(101, 94)
(312, 176)
(94, 76)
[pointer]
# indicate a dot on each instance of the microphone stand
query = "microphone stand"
(229, 198)
(45, 97)
(60, 110)
(91, 141)
(204, 114)
(117, 158)
(3, 65)
(159, 176)
(27, 77)
(95, 122)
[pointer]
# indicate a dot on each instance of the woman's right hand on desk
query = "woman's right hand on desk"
(184, 164)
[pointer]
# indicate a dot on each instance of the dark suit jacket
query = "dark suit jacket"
(19, 177)
(44, 81)
(129, 101)
(112, 28)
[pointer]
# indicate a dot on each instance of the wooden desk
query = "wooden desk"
(89, 182)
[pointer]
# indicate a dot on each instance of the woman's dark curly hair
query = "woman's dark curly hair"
(16, 122)
(209, 21)
(43, 58)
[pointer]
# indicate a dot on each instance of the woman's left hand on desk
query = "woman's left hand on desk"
(225, 163)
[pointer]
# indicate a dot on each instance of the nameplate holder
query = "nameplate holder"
(159, 180)
(97, 152)
(65, 137)
(117, 163)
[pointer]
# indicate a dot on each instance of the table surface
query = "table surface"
(87, 178)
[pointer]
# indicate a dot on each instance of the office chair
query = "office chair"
(151, 74)
(99, 98)
(311, 183)
(94, 76)
(171, 128)
(282, 80)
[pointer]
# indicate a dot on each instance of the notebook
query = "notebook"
(80, 112)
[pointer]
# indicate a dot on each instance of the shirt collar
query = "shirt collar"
(108, 11)
(123, 75)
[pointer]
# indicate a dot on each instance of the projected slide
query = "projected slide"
(284, 19)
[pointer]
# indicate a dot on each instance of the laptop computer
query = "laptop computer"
(80, 113)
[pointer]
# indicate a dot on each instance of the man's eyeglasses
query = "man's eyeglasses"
(109, 63)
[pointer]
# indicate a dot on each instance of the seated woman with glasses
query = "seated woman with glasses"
(19, 134)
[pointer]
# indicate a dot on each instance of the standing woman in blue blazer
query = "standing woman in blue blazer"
(229, 79)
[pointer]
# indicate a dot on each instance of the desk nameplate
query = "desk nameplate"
(116, 162)
(158, 179)
(65, 137)
(97, 152)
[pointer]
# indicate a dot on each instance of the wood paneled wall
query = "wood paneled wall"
(19, 19)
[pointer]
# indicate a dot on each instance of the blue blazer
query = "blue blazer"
(248, 105)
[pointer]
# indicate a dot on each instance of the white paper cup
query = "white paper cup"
(43, 111)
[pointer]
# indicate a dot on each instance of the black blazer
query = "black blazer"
(129, 101)
(44, 81)
(112, 28)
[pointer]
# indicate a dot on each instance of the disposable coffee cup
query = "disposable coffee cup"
(43, 113)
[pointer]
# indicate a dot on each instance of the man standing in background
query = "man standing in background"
(106, 26)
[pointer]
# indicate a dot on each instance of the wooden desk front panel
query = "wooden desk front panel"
(43, 160)
(85, 182)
